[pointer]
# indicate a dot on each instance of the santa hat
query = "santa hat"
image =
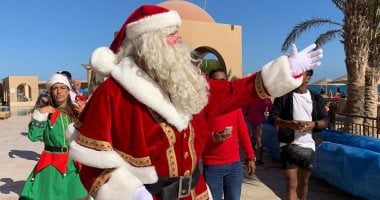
(58, 78)
(144, 19)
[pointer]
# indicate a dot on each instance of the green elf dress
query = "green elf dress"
(56, 176)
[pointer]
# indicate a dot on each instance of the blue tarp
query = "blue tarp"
(352, 169)
(347, 161)
(270, 140)
(348, 139)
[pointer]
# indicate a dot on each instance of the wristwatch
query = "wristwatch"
(316, 124)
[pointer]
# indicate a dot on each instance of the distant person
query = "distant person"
(55, 176)
(255, 120)
(327, 106)
(323, 91)
(222, 168)
(300, 116)
(337, 96)
(77, 84)
(338, 90)
(330, 94)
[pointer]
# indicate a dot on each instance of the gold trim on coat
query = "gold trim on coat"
(93, 144)
(259, 86)
(170, 152)
(138, 162)
(102, 178)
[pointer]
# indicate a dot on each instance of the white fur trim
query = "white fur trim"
(121, 185)
(148, 92)
(58, 78)
(40, 116)
(209, 192)
(277, 77)
(153, 23)
(110, 159)
(103, 60)
(71, 132)
(142, 193)
(94, 158)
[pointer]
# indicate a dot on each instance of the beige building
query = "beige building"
(20, 93)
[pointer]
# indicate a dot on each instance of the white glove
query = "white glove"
(141, 194)
(304, 60)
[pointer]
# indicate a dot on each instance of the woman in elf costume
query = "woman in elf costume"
(55, 176)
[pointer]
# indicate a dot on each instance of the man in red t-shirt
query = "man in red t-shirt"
(222, 168)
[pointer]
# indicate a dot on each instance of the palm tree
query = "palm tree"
(356, 46)
(373, 69)
(354, 34)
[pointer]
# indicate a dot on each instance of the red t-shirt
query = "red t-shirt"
(256, 111)
(217, 153)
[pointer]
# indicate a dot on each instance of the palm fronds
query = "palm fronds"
(339, 4)
(304, 26)
(327, 37)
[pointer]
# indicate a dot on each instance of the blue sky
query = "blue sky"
(40, 37)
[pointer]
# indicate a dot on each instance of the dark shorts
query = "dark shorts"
(293, 157)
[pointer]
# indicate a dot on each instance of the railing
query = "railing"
(354, 124)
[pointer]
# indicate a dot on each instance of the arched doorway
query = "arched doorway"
(24, 93)
(212, 60)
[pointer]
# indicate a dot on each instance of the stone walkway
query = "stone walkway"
(18, 156)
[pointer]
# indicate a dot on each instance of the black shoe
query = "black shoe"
(259, 162)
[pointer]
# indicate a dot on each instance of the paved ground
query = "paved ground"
(18, 156)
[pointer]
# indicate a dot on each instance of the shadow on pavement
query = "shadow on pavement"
(11, 186)
(29, 155)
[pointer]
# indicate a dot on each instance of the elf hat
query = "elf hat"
(58, 78)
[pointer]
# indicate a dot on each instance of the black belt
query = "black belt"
(57, 149)
(174, 187)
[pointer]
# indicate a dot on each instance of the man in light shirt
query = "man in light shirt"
(300, 115)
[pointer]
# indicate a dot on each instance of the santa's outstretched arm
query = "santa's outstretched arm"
(284, 74)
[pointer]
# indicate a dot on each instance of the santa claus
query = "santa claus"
(142, 132)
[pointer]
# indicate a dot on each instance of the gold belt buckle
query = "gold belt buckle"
(184, 188)
(64, 149)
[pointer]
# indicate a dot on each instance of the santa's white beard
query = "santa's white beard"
(172, 68)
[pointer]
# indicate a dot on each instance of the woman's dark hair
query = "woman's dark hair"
(65, 73)
(211, 73)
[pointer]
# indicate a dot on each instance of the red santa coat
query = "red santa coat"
(131, 133)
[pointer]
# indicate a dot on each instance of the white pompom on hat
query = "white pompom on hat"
(144, 19)
(58, 78)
